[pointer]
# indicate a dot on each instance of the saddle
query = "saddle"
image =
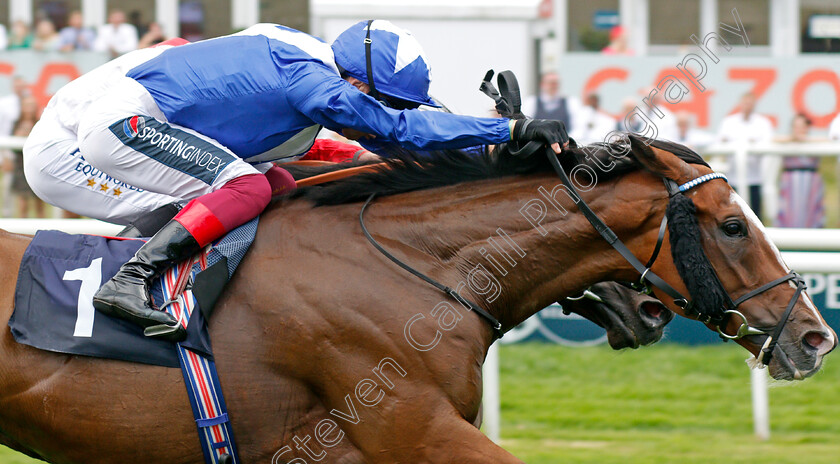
(59, 274)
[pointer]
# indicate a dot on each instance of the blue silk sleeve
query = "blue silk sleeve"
(334, 103)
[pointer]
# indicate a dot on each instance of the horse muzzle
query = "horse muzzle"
(799, 353)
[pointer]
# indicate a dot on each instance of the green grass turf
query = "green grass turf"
(8, 456)
(666, 404)
(662, 404)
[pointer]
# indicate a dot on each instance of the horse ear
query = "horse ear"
(661, 162)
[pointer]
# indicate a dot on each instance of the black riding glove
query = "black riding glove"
(543, 130)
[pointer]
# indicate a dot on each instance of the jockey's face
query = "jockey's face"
(364, 88)
(354, 134)
(385, 100)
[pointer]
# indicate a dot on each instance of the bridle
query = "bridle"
(721, 316)
(648, 278)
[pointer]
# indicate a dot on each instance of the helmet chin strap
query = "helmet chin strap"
(373, 92)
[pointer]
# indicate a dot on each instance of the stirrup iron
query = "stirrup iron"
(175, 333)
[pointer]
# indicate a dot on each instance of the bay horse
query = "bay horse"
(329, 352)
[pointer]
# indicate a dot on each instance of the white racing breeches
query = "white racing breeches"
(125, 160)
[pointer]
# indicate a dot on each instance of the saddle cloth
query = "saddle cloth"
(60, 273)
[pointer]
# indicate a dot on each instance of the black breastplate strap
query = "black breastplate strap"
(647, 275)
(494, 323)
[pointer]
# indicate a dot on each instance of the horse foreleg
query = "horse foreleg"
(458, 441)
(439, 440)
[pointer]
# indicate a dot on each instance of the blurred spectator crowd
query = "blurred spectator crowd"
(798, 193)
(117, 36)
(19, 110)
(799, 186)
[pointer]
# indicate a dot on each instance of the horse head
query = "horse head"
(735, 276)
(631, 318)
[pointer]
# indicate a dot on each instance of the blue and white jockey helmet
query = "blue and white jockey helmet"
(398, 65)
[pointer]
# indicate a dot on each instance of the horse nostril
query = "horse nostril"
(653, 309)
(816, 341)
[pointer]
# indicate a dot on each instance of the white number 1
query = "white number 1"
(91, 278)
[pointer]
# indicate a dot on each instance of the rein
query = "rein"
(719, 317)
(336, 175)
(647, 275)
(349, 172)
(494, 323)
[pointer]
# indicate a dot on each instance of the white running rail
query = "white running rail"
(816, 251)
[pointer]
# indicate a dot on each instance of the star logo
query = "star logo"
(117, 191)
(103, 187)
(408, 49)
(91, 182)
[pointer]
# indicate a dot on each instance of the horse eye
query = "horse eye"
(733, 229)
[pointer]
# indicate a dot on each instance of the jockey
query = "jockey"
(203, 122)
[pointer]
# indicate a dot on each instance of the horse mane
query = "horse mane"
(407, 171)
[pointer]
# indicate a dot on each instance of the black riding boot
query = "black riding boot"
(126, 295)
(150, 223)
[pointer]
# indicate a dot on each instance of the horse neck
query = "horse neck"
(475, 234)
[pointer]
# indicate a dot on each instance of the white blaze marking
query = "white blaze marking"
(750, 215)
